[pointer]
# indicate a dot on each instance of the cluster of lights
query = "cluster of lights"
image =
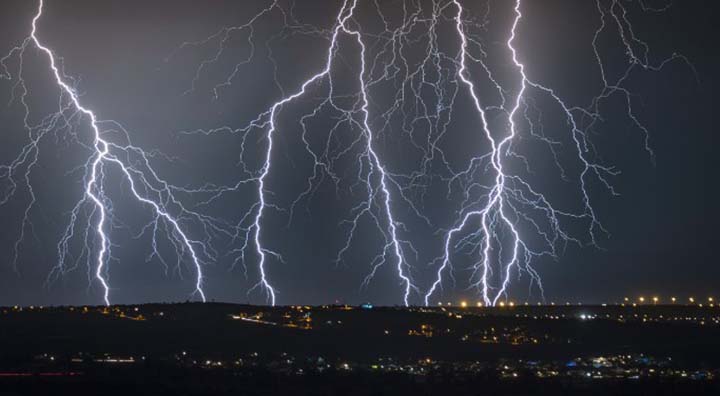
(640, 300)
(673, 300)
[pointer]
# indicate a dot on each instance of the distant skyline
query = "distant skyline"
(350, 152)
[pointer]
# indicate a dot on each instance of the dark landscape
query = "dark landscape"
(192, 348)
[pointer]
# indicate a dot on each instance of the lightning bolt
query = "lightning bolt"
(95, 206)
(500, 209)
(377, 180)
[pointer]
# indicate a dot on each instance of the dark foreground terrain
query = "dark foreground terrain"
(224, 349)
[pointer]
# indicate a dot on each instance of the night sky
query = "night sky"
(127, 62)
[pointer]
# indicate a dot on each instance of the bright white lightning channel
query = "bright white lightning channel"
(380, 192)
(509, 192)
(377, 180)
(145, 185)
